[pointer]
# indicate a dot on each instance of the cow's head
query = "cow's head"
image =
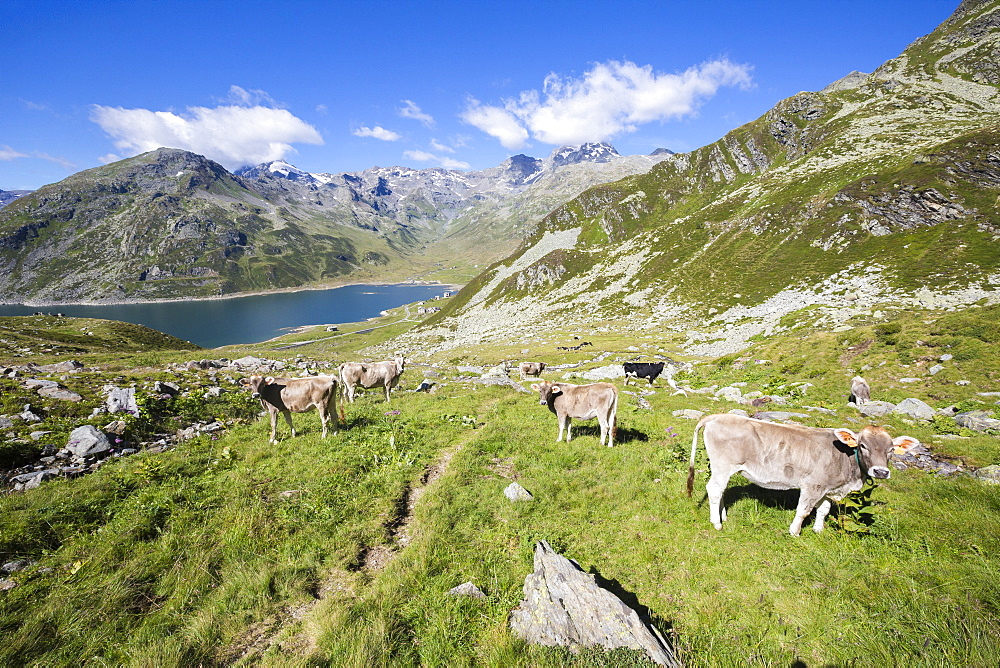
(400, 362)
(255, 384)
(873, 447)
(546, 392)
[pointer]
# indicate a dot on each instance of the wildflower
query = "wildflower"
(392, 412)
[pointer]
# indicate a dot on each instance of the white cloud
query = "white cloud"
(419, 156)
(7, 153)
(377, 132)
(610, 99)
(496, 122)
(250, 98)
(232, 135)
(108, 158)
(438, 146)
(322, 108)
(411, 110)
(424, 156)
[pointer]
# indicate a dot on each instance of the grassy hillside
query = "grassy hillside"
(227, 550)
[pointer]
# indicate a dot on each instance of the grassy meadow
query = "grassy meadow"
(229, 551)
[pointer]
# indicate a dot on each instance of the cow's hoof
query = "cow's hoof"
(718, 527)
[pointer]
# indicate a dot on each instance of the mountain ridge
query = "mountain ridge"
(211, 232)
(883, 188)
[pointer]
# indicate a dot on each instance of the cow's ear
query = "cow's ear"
(846, 436)
(904, 443)
(269, 380)
(536, 387)
(244, 382)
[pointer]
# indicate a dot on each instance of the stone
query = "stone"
(915, 408)
(740, 412)
(564, 606)
(6, 585)
(946, 357)
(87, 440)
(515, 492)
(466, 589)
(909, 380)
(469, 369)
(876, 409)
(116, 427)
(688, 414)
(35, 383)
(67, 366)
(990, 474)
(249, 361)
(60, 393)
(977, 420)
(165, 387)
(729, 394)
(39, 435)
(120, 400)
(6, 422)
(935, 370)
(963, 382)
(607, 372)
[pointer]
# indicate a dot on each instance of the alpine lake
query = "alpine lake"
(211, 323)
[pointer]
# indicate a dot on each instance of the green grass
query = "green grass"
(194, 556)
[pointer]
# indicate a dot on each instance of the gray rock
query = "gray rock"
(120, 400)
(87, 440)
(39, 435)
(469, 369)
(67, 366)
(876, 408)
(729, 394)
(688, 414)
(740, 412)
(608, 372)
(466, 589)
(164, 387)
(35, 383)
(977, 420)
(6, 585)
(909, 380)
(515, 492)
(249, 361)
(936, 369)
(60, 393)
(915, 408)
(946, 357)
(15, 566)
(6, 422)
(564, 606)
(989, 474)
(963, 382)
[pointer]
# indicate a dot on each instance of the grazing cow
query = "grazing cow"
(648, 370)
(295, 395)
(823, 464)
(371, 374)
(584, 402)
(531, 369)
(860, 392)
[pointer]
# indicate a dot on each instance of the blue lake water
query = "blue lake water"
(218, 322)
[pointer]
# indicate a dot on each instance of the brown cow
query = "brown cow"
(861, 394)
(531, 369)
(296, 395)
(583, 402)
(823, 464)
(371, 374)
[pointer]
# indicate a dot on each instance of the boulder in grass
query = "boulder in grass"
(515, 492)
(467, 589)
(87, 440)
(565, 606)
(915, 408)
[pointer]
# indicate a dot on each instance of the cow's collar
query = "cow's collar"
(857, 457)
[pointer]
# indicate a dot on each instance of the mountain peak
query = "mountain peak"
(588, 152)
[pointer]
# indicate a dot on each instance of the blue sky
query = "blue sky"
(342, 86)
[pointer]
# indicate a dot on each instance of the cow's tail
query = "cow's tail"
(343, 399)
(694, 451)
(614, 418)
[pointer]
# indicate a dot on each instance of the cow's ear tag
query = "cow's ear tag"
(269, 380)
(556, 390)
(847, 437)
(903, 443)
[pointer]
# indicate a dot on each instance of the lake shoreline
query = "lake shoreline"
(239, 295)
